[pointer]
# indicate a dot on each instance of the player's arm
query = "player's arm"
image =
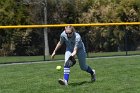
(77, 40)
(56, 48)
(74, 51)
(59, 44)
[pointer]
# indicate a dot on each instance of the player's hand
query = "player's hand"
(52, 56)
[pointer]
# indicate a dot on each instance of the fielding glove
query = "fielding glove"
(70, 62)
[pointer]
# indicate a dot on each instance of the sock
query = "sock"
(66, 73)
(89, 70)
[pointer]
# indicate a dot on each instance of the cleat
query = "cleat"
(93, 77)
(63, 82)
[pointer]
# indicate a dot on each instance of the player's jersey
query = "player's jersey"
(74, 41)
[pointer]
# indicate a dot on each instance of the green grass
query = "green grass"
(11, 59)
(114, 75)
(18, 59)
(123, 53)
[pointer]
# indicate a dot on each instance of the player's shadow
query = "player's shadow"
(79, 83)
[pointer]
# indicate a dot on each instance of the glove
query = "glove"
(70, 62)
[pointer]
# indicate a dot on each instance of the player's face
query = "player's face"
(69, 33)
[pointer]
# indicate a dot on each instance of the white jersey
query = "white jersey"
(74, 41)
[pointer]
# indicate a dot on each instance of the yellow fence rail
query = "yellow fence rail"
(63, 25)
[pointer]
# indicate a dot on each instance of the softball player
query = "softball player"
(74, 46)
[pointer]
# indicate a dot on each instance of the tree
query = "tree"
(107, 38)
(12, 13)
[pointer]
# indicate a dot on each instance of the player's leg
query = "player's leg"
(67, 68)
(65, 79)
(81, 54)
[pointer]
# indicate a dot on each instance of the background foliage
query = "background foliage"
(30, 41)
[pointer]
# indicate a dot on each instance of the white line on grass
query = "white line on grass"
(63, 60)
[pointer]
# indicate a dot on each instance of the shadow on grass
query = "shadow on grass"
(80, 83)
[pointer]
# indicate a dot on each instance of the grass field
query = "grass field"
(114, 75)
(14, 59)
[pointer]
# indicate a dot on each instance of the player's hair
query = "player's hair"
(70, 28)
